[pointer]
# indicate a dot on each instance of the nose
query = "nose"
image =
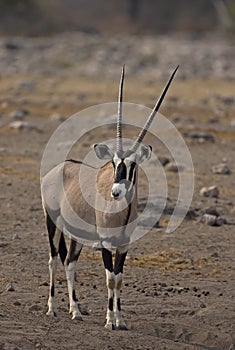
(116, 193)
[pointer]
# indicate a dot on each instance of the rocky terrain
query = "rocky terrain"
(178, 291)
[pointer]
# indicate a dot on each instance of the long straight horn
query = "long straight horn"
(152, 115)
(119, 118)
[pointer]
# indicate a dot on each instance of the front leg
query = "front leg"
(110, 282)
(118, 271)
(70, 264)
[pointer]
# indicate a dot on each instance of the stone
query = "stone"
(211, 211)
(221, 168)
(220, 221)
(21, 125)
(208, 219)
(211, 191)
(199, 135)
(10, 287)
(57, 117)
(212, 220)
(163, 160)
(174, 168)
(18, 114)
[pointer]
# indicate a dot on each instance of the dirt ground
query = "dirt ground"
(178, 290)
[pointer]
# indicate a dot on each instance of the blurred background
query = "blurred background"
(42, 17)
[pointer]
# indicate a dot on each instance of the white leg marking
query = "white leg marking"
(73, 307)
(120, 323)
(110, 282)
(52, 311)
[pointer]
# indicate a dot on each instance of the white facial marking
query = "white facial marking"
(118, 191)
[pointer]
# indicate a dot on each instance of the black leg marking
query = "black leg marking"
(119, 304)
(111, 304)
(62, 249)
(119, 262)
(51, 233)
(52, 290)
(72, 254)
(107, 259)
(74, 296)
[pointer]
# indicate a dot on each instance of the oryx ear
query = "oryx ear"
(145, 153)
(102, 151)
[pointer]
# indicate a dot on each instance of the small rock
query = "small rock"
(15, 236)
(10, 287)
(84, 310)
(57, 117)
(174, 168)
(211, 191)
(20, 125)
(29, 85)
(211, 211)
(10, 45)
(212, 220)
(19, 114)
(221, 169)
(163, 160)
(199, 135)
(35, 308)
(220, 221)
(208, 219)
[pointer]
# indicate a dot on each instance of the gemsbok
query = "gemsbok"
(116, 182)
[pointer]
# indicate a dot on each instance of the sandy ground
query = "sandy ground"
(178, 290)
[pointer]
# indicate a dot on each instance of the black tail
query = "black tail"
(62, 248)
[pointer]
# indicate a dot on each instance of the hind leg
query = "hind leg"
(70, 264)
(54, 239)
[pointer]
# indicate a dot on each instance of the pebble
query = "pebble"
(211, 211)
(211, 191)
(212, 220)
(21, 125)
(163, 160)
(57, 117)
(174, 168)
(18, 114)
(10, 287)
(15, 236)
(199, 135)
(208, 219)
(35, 307)
(221, 168)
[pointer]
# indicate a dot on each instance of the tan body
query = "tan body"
(79, 217)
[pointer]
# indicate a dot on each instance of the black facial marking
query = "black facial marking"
(111, 304)
(120, 172)
(132, 168)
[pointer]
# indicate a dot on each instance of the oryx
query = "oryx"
(116, 183)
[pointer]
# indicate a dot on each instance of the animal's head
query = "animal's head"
(125, 162)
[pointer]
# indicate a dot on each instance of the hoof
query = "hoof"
(110, 326)
(77, 318)
(122, 327)
(51, 313)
